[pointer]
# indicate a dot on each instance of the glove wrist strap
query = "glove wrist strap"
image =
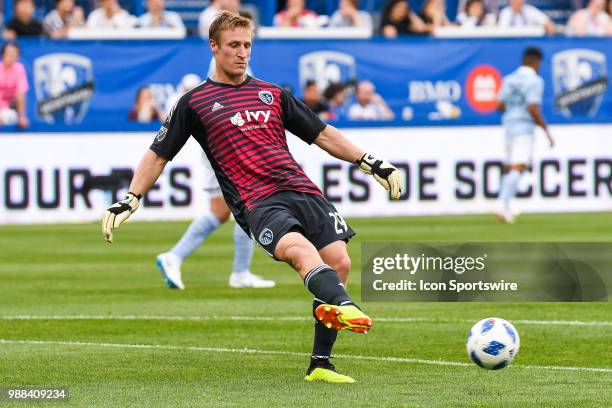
(360, 160)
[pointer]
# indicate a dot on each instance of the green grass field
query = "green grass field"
(97, 318)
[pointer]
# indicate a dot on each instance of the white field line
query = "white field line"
(289, 318)
(282, 353)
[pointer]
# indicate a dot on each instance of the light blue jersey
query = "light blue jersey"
(520, 89)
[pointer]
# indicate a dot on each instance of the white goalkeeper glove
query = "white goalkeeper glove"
(385, 173)
(118, 213)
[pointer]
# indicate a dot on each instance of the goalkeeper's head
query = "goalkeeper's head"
(230, 38)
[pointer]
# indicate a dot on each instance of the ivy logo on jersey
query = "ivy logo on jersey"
(266, 97)
(256, 119)
(237, 120)
(580, 80)
(266, 237)
(64, 84)
(326, 67)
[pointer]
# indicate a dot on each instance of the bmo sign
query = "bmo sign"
(430, 91)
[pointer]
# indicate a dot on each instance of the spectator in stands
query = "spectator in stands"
(13, 87)
(590, 21)
(145, 110)
(434, 12)
(399, 19)
(158, 17)
(520, 14)
(188, 82)
(312, 98)
(490, 6)
(368, 104)
(295, 15)
(65, 16)
(335, 96)
(110, 15)
(209, 14)
(23, 24)
(349, 15)
(474, 15)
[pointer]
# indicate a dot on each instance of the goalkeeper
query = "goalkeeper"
(270, 196)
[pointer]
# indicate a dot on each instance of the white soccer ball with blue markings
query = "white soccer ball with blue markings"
(493, 343)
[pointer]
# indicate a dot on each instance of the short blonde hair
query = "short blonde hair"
(227, 21)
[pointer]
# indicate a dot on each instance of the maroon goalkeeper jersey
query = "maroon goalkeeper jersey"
(242, 130)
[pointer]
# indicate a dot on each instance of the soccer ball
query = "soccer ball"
(493, 343)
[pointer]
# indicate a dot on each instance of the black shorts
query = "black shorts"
(312, 215)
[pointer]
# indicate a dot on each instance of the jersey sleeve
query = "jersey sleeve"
(503, 92)
(535, 92)
(299, 119)
(175, 131)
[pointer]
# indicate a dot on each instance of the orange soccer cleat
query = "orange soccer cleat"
(343, 317)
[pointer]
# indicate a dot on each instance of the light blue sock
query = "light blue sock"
(509, 186)
(195, 235)
(243, 250)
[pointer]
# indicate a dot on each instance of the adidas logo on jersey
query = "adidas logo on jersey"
(237, 120)
(216, 106)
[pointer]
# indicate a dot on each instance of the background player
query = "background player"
(169, 263)
(520, 99)
(267, 191)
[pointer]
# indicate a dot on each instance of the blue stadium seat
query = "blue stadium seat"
(189, 10)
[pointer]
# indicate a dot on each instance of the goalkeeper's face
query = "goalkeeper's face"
(233, 52)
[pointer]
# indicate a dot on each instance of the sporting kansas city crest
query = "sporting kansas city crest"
(64, 84)
(266, 237)
(580, 80)
(266, 97)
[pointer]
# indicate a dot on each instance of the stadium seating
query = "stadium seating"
(558, 10)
